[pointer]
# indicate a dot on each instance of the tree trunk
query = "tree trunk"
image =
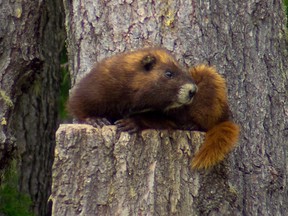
(100, 172)
(31, 38)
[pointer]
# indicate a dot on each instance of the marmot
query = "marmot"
(208, 112)
(129, 83)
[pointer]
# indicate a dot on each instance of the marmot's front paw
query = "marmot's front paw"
(127, 125)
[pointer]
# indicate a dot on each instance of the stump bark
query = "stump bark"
(101, 172)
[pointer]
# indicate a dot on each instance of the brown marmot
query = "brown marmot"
(208, 112)
(129, 83)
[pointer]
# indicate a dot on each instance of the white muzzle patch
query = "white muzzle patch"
(185, 96)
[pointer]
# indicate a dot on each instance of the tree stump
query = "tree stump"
(102, 172)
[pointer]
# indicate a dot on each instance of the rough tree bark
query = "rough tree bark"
(31, 38)
(100, 172)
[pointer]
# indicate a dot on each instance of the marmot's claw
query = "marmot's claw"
(126, 125)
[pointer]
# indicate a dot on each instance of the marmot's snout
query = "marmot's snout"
(192, 92)
(186, 93)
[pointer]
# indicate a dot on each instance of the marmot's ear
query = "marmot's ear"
(148, 62)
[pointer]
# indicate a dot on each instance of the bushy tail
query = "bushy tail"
(219, 141)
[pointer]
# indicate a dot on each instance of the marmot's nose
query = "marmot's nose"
(192, 92)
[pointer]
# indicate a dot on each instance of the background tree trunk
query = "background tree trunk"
(31, 38)
(246, 41)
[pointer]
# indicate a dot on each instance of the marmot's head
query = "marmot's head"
(158, 81)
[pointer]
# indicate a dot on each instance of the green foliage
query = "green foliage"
(286, 7)
(64, 85)
(12, 202)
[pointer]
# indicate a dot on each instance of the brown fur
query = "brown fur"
(219, 141)
(129, 83)
(210, 104)
(208, 112)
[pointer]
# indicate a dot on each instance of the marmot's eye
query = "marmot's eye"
(169, 74)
